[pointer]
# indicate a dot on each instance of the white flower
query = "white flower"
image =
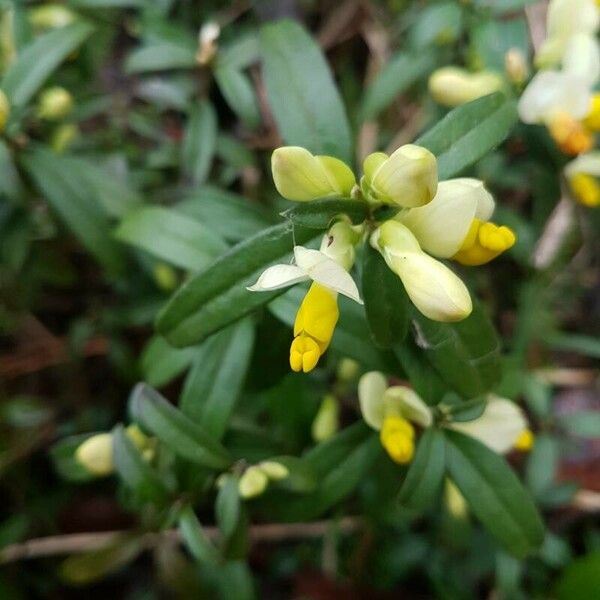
(499, 427)
(585, 163)
(309, 265)
(442, 225)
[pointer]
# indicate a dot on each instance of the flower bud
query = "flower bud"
(397, 437)
(301, 176)
(516, 66)
(4, 110)
(371, 388)
(499, 427)
(455, 501)
(326, 423)
(453, 86)
(407, 178)
(165, 277)
(55, 103)
(51, 16)
(432, 287)
(207, 42)
(253, 482)
(63, 136)
(95, 454)
(274, 470)
(347, 370)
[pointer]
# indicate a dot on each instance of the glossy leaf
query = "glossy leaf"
(237, 90)
(66, 192)
(426, 472)
(171, 237)
(194, 537)
(228, 506)
(320, 214)
(185, 437)
(199, 142)
(400, 73)
(218, 296)
(465, 354)
(161, 57)
(469, 132)
(305, 102)
(133, 470)
(494, 493)
(160, 363)
(36, 62)
(386, 301)
(215, 381)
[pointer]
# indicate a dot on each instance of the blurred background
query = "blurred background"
(117, 105)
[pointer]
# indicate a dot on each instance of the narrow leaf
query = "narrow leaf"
(320, 214)
(199, 142)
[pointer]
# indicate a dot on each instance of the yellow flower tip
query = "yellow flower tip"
(586, 189)
(95, 454)
(570, 135)
(484, 242)
(592, 120)
(525, 441)
(397, 436)
(304, 354)
(314, 327)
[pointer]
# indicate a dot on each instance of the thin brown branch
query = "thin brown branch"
(85, 542)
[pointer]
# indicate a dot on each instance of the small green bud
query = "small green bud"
(4, 110)
(326, 422)
(347, 370)
(165, 277)
(273, 469)
(455, 501)
(301, 176)
(253, 482)
(55, 103)
(453, 86)
(63, 136)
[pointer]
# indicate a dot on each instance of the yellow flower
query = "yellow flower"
(582, 175)
(484, 242)
(397, 436)
(525, 441)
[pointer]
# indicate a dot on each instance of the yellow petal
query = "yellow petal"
(484, 242)
(397, 437)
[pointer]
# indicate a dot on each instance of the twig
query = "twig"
(85, 542)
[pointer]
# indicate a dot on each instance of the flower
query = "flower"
(301, 176)
(583, 175)
(318, 313)
(255, 479)
(407, 178)
(55, 103)
(453, 86)
(394, 410)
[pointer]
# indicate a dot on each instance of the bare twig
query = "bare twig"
(85, 542)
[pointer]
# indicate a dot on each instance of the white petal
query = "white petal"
(406, 403)
(550, 92)
(442, 225)
(498, 427)
(585, 163)
(278, 276)
(326, 271)
(371, 388)
(582, 58)
(432, 287)
(485, 200)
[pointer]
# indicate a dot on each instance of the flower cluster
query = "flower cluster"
(433, 220)
(394, 411)
(560, 95)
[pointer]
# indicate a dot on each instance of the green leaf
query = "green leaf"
(170, 236)
(580, 579)
(215, 381)
(469, 132)
(199, 142)
(186, 438)
(36, 62)
(320, 214)
(438, 24)
(492, 39)
(218, 296)
(86, 568)
(67, 193)
(305, 101)
(232, 217)
(584, 423)
(301, 477)
(542, 464)
(494, 493)
(465, 354)
(63, 459)
(400, 73)
(194, 537)
(238, 93)
(582, 344)
(163, 56)
(133, 470)
(160, 363)
(10, 184)
(228, 506)
(235, 581)
(426, 472)
(386, 301)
